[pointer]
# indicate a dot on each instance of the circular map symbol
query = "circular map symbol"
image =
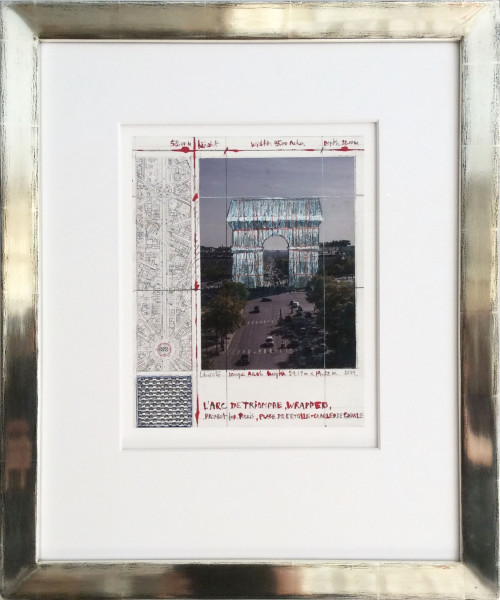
(164, 349)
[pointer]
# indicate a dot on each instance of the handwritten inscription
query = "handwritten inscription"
(195, 144)
(178, 143)
(277, 143)
(340, 143)
(280, 415)
(271, 411)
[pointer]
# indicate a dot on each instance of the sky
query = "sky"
(331, 179)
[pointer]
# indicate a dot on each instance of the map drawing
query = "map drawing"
(164, 263)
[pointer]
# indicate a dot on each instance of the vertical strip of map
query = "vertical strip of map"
(164, 273)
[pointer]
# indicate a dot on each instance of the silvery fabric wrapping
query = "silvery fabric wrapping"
(164, 401)
(255, 220)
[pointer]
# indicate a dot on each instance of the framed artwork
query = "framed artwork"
(245, 312)
(249, 294)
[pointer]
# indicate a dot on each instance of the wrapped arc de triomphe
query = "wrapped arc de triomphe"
(253, 221)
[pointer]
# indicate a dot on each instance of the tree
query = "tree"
(335, 301)
(234, 289)
(315, 292)
(338, 243)
(224, 315)
(215, 269)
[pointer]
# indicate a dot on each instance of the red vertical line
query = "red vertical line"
(232, 262)
(233, 258)
(227, 210)
(323, 273)
(194, 157)
(196, 284)
(196, 334)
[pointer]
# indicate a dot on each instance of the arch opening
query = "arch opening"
(276, 261)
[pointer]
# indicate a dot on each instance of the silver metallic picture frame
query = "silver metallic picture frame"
(24, 25)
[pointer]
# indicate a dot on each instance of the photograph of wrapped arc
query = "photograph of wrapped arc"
(277, 262)
(253, 221)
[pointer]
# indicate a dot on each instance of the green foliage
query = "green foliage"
(235, 290)
(224, 313)
(215, 269)
(336, 304)
(338, 243)
(336, 265)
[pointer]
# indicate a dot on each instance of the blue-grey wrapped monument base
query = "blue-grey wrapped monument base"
(164, 401)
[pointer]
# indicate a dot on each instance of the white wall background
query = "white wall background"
(398, 502)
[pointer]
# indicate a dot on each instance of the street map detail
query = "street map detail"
(164, 262)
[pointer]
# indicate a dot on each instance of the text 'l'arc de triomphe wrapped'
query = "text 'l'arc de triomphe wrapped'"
(253, 221)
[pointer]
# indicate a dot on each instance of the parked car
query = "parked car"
(269, 340)
(256, 309)
(243, 360)
(266, 299)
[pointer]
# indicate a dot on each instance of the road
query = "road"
(250, 338)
